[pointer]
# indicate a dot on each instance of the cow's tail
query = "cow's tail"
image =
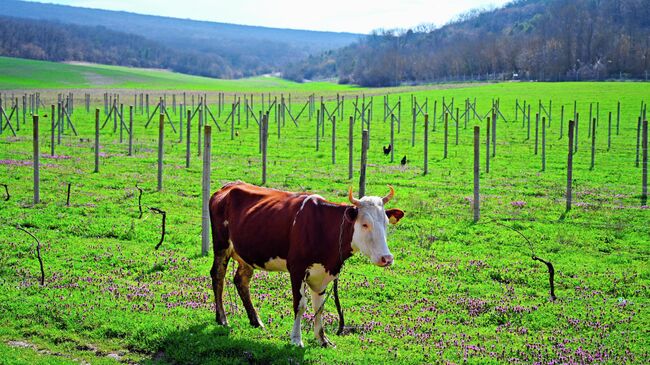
(219, 218)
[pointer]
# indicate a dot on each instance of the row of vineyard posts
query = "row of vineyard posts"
(196, 108)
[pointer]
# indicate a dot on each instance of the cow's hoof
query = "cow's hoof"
(325, 342)
(257, 324)
(297, 342)
(222, 321)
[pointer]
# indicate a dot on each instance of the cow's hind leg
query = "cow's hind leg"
(218, 273)
(242, 282)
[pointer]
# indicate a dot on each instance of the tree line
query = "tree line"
(546, 40)
(52, 41)
(199, 47)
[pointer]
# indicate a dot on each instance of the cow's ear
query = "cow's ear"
(351, 214)
(394, 215)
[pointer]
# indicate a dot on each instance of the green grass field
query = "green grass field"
(16, 73)
(458, 292)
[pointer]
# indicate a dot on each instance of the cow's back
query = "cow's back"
(256, 220)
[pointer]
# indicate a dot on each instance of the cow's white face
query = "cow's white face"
(370, 228)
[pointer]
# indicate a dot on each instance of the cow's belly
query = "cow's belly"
(259, 259)
(274, 264)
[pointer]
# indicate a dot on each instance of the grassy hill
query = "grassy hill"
(16, 73)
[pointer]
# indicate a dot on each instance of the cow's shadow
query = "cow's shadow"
(209, 344)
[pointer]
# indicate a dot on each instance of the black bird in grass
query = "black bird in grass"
(387, 149)
(403, 162)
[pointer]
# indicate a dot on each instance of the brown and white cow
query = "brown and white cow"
(303, 234)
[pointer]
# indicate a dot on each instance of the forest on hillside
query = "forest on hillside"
(196, 47)
(53, 41)
(548, 40)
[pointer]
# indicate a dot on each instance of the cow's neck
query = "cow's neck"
(335, 239)
(344, 241)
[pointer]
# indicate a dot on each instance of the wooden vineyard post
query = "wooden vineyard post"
(590, 120)
(618, 116)
(205, 211)
(364, 162)
(37, 155)
(246, 107)
(187, 139)
(536, 131)
(96, 140)
(435, 107)
(121, 123)
(575, 132)
(426, 144)
(528, 125)
(333, 140)
(399, 114)
(180, 123)
(561, 122)
(51, 132)
(350, 147)
(200, 127)
(523, 111)
(318, 114)
(232, 123)
(487, 145)
(543, 143)
(259, 131)
(161, 139)
(413, 130)
(466, 113)
(609, 131)
(17, 116)
(644, 176)
(59, 123)
(569, 169)
(392, 138)
(638, 139)
(494, 134)
(265, 138)
(457, 112)
(477, 146)
(446, 133)
(130, 130)
(516, 109)
(114, 114)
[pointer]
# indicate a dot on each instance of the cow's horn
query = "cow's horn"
(390, 195)
(353, 200)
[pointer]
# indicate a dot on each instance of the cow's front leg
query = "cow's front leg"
(317, 303)
(299, 306)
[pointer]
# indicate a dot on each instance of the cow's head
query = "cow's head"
(370, 225)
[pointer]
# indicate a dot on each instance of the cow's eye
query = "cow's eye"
(364, 225)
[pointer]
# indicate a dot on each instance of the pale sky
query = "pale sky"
(357, 16)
